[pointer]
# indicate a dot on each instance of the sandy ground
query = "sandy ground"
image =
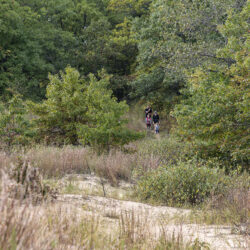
(157, 219)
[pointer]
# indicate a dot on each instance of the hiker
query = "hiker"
(148, 121)
(148, 110)
(157, 128)
(156, 118)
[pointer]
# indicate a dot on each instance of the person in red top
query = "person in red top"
(148, 121)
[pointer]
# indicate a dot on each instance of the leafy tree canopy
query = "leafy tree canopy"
(81, 110)
(215, 114)
(15, 128)
(176, 37)
(42, 37)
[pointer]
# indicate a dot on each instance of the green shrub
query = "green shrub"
(15, 129)
(188, 182)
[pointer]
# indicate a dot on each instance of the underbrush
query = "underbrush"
(162, 170)
(215, 197)
(231, 207)
(53, 162)
(167, 149)
(186, 182)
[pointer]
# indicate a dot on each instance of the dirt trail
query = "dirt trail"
(155, 218)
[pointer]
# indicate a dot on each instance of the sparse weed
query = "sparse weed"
(232, 207)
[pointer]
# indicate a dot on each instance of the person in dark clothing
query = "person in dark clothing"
(156, 118)
(148, 111)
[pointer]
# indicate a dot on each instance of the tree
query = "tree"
(215, 113)
(130, 7)
(106, 125)
(175, 38)
(57, 117)
(30, 47)
(42, 37)
(15, 128)
(81, 110)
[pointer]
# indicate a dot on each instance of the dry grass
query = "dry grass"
(6, 160)
(57, 162)
(135, 232)
(67, 226)
(24, 226)
(58, 226)
(20, 226)
(232, 208)
(133, 229)
(114, 166)
(53, 226)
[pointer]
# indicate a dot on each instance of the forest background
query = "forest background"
(188, 59)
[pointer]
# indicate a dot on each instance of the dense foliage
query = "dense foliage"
(38, 37)
(15, 127)
(215, 114)
(175, 37)
(78, 109)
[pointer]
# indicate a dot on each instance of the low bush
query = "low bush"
(188, 182)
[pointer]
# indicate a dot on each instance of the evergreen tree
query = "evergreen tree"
(81, 110)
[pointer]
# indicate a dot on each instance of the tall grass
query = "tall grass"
(20, 223)
(114, 166)
(146, 157)
(54, 162)
(232, 207)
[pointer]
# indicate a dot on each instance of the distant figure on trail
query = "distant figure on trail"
(148, 110)
(156, 121)
(148, 121)
(156, 118)
(157, 128)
